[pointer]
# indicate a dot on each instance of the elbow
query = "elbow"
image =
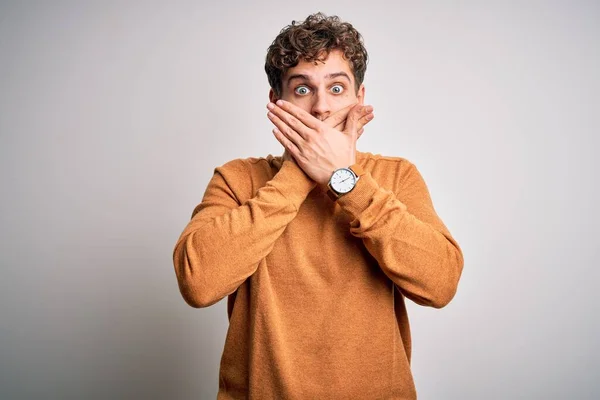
(438, 296)
(439, 292)
(192, 281)
(196, 299)
(443, 297)
(195, 293)
(447, 287)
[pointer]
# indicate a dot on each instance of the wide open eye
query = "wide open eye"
(337, 89)
(302, 90)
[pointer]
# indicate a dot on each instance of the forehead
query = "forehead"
(335, 62)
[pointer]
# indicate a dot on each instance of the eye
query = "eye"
(302, 90)
(337, 89)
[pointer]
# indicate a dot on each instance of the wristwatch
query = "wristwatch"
(343, 180)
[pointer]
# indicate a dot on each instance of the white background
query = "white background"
(113, 116)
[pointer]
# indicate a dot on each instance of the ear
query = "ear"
(272, 97)
(360, 95)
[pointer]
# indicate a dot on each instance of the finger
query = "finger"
(289, 146)
(359, 133)
(286, 130)
(340, 124)
(296, 112)
(352, 120)
(364, 120)
(290, 120)
(339, 117)
(363, 111)
(364, 115)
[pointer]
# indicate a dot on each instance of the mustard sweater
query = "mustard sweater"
(316, 288)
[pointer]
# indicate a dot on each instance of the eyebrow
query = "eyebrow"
(328, 76)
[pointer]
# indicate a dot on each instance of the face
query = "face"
(321, 89)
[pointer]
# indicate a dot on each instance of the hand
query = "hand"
(337, 120)
(317, 148)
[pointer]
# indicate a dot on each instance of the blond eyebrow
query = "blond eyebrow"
(328, 76)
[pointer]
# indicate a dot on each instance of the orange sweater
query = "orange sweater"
(316, 288)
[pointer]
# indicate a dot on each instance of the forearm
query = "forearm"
(418, 255)
(219, 248)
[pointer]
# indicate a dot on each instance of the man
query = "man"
(317, 248)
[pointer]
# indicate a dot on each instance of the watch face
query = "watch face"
(343, 180)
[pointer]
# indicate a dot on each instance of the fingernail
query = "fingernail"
(279, 103)
(270, 114)
(270, 106)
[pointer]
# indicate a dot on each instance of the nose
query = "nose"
(320, 107)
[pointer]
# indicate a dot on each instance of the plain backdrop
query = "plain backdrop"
(113, 116)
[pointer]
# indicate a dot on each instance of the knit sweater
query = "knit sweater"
(316, 288)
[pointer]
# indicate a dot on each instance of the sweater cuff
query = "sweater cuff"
(359, 199)
(293, 183)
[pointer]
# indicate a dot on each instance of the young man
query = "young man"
(317, 248)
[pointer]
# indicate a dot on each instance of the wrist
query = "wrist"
(344, 180)
(336, 166)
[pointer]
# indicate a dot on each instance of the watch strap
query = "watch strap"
(332, 195)
(357, 169)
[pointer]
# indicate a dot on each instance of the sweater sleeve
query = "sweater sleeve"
(225, 241)
(407, 238)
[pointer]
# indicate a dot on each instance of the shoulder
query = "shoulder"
(245, 175)
(248, 166)
(386, 167)
(371, 158)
